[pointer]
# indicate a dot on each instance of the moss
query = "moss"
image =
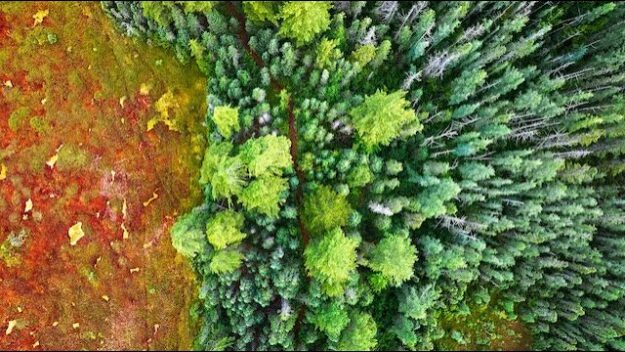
(484, 328)
(40, 125)
(82, 88)
(8, 255)
(17, 118)
(37, 156)
(71, 157)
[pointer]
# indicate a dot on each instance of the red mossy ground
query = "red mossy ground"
(73, 87)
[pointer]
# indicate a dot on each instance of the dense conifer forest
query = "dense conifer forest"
(404, 175)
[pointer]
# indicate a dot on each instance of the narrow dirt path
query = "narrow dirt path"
(293, 136)
(277, 86)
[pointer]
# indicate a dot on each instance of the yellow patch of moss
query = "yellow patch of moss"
(40, 125)
(71, 157)
(17, 118)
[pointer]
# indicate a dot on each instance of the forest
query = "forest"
(403, 175)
